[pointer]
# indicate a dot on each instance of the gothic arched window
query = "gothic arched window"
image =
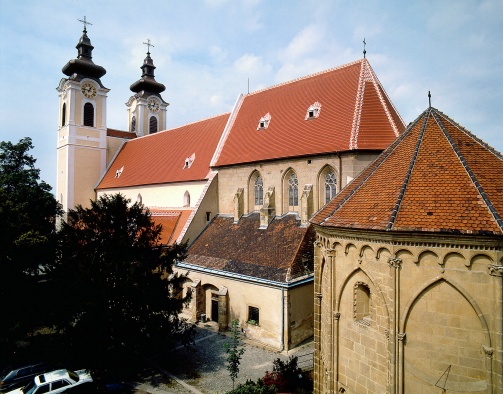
(63, 115)
(293, 191)
(88, 115)
(259, 191)
(152, 125)
(330, 186)
(186, 199)
(133, 124)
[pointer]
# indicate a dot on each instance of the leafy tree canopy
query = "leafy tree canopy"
(27, 211)
(117, 282)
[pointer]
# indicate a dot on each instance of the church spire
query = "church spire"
(83, 66)
(147, 83)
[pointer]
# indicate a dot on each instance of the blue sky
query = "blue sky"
(206, 50)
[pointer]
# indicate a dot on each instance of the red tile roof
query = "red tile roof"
(281, 252)
(172, 222)
(436, 177)
(355, 113)
(160, 157)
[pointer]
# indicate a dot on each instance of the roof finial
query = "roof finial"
(148, 44)
(364, 51)
(429, 98)
(85, 22)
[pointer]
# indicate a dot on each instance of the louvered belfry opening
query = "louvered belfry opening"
(152, 125)
(88, 115)
(133, 124)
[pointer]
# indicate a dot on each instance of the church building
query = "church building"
(408, 269)
(239, 187)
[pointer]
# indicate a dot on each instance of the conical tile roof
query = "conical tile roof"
(436, 177)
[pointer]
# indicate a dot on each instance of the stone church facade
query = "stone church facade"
(408, 273)
(238, 187)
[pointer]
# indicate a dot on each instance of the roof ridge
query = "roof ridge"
(184, 125)
(467, 168)
(381, 158)
(305, 77)
(470, 134)
(405, 183)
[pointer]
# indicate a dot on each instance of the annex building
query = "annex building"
(408, 269)
(239, 187)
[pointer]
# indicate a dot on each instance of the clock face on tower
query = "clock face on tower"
(88, 90)
(153, 105)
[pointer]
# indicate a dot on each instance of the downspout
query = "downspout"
(282, 319)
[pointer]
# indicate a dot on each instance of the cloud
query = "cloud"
(305, 42)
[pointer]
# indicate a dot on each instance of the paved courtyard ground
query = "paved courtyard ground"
(203, 370)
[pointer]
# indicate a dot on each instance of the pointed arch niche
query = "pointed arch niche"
(327, 185)
(445, 329)
(255, 191)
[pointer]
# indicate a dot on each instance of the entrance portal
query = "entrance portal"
(214, 310)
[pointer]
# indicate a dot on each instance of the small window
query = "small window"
(152, 125)
(88, 115)
(208, 216)
(59, 384)
(253, 315)
(313, 111)
(44, 389)
(133, 124)
(186, 199)
(139, 198)
(63, 115)
(189, 160)
(264, 122)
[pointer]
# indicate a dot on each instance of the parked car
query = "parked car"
(14, 377)
(55, 382)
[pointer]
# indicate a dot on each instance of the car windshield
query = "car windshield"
(73, 376)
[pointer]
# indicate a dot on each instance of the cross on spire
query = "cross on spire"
(85, 22)
(148, 44)
(364, 51)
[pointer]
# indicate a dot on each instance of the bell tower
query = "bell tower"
(146, 109)
(82, 130)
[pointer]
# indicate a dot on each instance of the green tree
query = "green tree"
(116, 280)
(235, 351)
(28, 213)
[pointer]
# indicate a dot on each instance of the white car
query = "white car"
(55, 382)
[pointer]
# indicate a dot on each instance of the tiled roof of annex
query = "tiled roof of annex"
(436, 177)
(280, 253)
(160, 158)
(355, 113)
(172, 221)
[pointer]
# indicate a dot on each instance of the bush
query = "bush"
(251, 387)
(286, 376)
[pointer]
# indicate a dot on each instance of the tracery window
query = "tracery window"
(293, 191)
(259, 191)
(330, 186)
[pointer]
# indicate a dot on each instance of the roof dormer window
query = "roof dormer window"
(189, 160)
(264, 122)
(118, 173)
(313, 111)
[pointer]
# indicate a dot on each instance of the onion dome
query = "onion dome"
(83, 66)
(147, 83)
